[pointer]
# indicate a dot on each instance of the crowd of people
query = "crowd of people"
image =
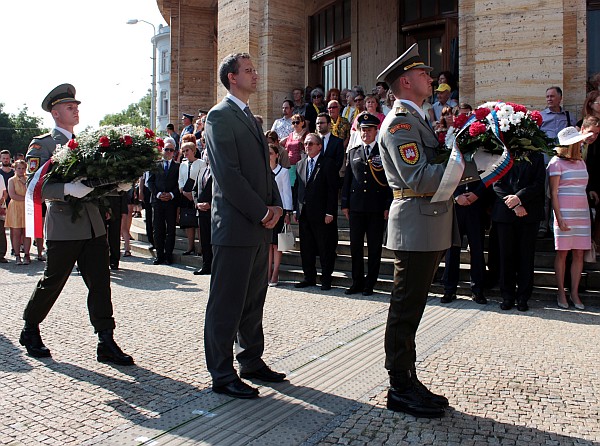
(236, 187)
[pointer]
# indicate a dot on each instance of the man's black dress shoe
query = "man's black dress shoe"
(406, 395)
(479, 299)
(237, 389)
(264, 374)
(168, 260)
(114, 266)
(202, 272)
(522, 306)
(304, 284)
(440, 400)
(188, 253)
(158, 261)
(507, 304)
(109, 351)
(325, 286)
(367, 292)
(32, 340)
(353, 289)
(447, 298)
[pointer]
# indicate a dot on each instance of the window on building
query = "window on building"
(330, 44)
(164, 103)
(433, 24)
(165, 65)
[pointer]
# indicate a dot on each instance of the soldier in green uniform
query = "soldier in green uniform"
(82, 241)
(418, 231)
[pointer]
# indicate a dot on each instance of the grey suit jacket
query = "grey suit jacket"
(58, 224)
(243, 183)
(407, 145)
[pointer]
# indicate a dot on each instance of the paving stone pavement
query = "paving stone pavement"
(512, 378)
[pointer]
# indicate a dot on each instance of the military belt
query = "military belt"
(400, 194)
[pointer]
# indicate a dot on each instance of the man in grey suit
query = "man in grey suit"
(245, 208)
(418, 231)
(82, 240)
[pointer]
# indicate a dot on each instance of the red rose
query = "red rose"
(460, 121)
(442, 138)
(537, 117)
(72, 144)
(160, 142)
(149, 133)
(477, 128)
(104, 141)
(127, 140)
(481, 113)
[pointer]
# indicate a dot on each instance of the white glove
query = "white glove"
(123, 187)
(77, 189)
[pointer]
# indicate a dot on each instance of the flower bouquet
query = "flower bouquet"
(490, 139)
(103, 159)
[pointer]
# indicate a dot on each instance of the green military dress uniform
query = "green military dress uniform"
(418, 232)
(68, 241)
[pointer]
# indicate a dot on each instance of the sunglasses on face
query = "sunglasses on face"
(166, 149)
(295, 122)
(331, 108)
(318, 96)
(310, 143)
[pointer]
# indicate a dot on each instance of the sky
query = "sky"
(48, 43)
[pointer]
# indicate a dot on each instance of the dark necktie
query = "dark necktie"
(252, 119)
(72, 135)
(166, 167)
(311, 166)
(367, 148)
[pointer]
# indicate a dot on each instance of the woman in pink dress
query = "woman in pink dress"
(572, 229)
(294, 144)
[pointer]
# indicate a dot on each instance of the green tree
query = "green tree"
(134, 114)
(26, 128)
(17, 131)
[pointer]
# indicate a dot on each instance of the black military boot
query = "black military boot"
(109, 351)
(440, 400)
(403, 396)
(32, 340)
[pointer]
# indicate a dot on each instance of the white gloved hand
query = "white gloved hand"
(77, 189)
(123, 187)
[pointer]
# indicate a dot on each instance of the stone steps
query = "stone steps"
(291, 271)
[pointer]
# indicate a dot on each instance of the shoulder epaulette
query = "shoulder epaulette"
(45, 135)
(401, 110)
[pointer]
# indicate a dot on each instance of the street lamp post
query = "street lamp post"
(153, 98)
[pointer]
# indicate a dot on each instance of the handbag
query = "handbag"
(285, 239)
(188, 217)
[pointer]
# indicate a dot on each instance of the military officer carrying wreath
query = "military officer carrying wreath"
(418, 231)
(366, 199)
(81, 240)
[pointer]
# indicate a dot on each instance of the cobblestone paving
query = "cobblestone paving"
(512, 378)
(159, 312)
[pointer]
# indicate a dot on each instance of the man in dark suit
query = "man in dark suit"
(245, 207)
(366, 199)
(315, 209)
(333, 147)
(69, 240)
(517, 213)
(203, 200)
(164, 189)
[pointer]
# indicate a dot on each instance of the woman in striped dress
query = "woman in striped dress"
(572, 230)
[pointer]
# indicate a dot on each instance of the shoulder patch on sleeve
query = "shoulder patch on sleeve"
(35, 146)
(409, 153)
(45, 135)
(33, 164)
(403, 126)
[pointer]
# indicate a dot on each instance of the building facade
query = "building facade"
(511, 50)
(162, 40)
